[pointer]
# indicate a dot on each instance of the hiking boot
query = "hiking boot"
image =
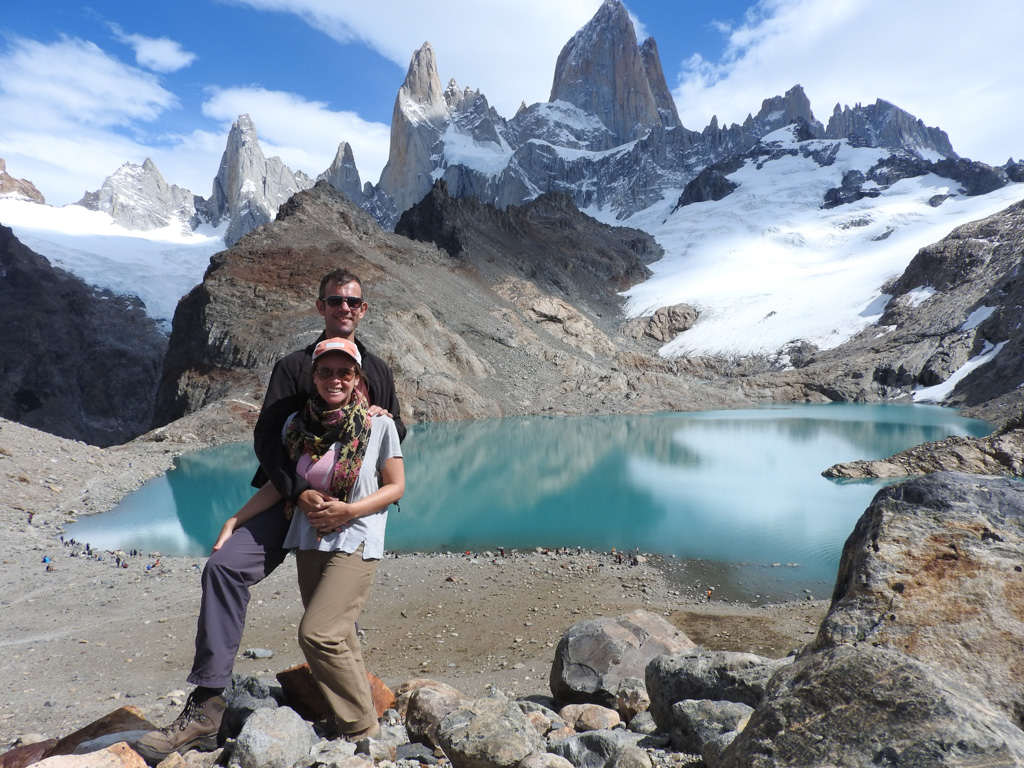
(195, 728)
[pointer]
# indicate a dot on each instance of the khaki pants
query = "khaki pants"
(334, 587)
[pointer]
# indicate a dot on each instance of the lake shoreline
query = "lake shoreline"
(739, 490)
(82, 637)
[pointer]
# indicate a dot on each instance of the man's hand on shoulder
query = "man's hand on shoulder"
(376, 410)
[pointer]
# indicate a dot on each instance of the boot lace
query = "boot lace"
(188, 715)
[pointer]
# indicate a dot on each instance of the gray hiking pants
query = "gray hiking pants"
(249, 555)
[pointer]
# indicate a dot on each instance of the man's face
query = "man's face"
(343, 319)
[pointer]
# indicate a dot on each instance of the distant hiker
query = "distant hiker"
(248, 551)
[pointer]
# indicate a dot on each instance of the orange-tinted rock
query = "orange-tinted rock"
(26, 754)
(119, 755)
(305, 698)
(123, 719)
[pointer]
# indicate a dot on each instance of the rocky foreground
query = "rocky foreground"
(542, 658)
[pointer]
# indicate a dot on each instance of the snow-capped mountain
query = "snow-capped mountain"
(801, 201)
(769, 262)
(137, 197)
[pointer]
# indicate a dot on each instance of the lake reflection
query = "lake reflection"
(732, 486)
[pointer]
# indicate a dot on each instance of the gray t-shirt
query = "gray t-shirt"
(368, 530)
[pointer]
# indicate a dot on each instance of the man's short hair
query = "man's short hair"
(339, 277)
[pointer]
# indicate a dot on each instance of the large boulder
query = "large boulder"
(273, 738)
(712, 675)
(935, 569)
(488, 733)
(867, 706)
(595, 656)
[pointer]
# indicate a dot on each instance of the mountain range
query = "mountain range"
(609, 135)
(757, 252)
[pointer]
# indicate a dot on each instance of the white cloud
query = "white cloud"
(70, 82)
(304, 134)
(67, 109)
(951, 66)
(506, 48)
(160, 54)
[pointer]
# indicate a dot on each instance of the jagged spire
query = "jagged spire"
(601, 71)
(418, 117)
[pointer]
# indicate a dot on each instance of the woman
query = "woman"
(356, 462)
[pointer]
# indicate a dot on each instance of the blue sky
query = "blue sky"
(85, 86)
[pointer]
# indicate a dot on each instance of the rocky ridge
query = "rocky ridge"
(19, 189)
(78, 361)
(957, 300)
(458, 331)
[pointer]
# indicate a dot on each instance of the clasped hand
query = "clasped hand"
(324, 513)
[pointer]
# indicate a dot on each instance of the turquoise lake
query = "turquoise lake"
(731, 487)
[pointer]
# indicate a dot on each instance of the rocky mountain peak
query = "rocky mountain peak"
(343, 174)
(780, 111)
(659, 86)
(885, 125)
(421, 95)
(601, 71)
(249, 188)
(138, 197)
(416, 124)
(19, 189)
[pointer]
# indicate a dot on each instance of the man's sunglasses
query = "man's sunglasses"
(354, 302)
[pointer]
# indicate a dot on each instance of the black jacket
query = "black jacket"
(291, 384)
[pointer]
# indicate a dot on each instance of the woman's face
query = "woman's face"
(334, 376)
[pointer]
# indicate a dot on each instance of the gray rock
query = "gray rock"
(595, 749)
(417, 122)
(488, 733)
(333, 751)
(884, 125)
(426, 708)
(631, 698)
(933, 569)
(273, 738)
(713, 748)
(644, 724)
(419, 753)
(866, 706)
(544, 760)
(244, 696)
(344, 176)
(695, 723)
(703, 674)
(102, 742)
(630, 757)
(594, 656)
(601, 71)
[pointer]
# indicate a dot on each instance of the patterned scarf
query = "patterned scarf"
(315, 429)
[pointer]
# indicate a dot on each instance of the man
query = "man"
(254, 550)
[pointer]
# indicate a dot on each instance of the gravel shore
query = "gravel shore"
(81, 636)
